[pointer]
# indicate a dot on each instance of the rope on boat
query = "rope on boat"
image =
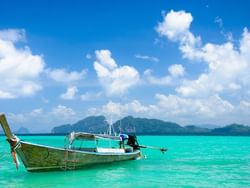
(14, 144)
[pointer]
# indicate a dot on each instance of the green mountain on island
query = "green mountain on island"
(233, 129)
(91, 124)
(145, 126)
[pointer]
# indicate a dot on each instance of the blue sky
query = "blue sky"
(181, 61)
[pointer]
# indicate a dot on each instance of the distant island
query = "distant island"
(21, 130)
(144, 126)
(141, 126)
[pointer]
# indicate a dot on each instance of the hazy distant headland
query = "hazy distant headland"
(144, 126)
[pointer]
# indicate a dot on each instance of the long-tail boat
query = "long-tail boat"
(36, 157)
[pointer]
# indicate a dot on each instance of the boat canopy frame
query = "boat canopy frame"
(83, 136)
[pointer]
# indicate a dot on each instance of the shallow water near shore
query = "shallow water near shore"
(192, 161)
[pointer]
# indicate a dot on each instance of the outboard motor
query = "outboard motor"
(132, 141)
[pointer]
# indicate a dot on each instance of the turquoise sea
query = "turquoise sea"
(192, 161)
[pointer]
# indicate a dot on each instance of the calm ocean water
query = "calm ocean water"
(192, 161)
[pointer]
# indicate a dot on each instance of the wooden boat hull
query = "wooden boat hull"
(44, 158)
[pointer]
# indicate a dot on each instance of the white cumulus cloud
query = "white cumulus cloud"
(166, 80)
(176, 71)
(118, 110)
(175, 25)
(115, 80)
(20, 70)
(63, 112)
(70, 93)
(176, 106)
(179, 109)
(66, 77)
(228, 65)
(105, 59)
(228, 69)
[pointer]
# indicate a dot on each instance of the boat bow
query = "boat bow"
(11, 138)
